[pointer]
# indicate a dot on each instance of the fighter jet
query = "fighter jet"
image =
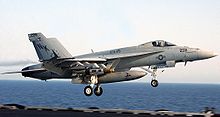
(97, 68)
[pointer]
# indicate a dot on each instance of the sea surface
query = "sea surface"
(130, 95)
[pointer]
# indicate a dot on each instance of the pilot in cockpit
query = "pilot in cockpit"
(158, 43)
(154, 43)
(161, 43)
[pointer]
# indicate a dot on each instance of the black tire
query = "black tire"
(154, 83)
(98, 91)
(88, 91)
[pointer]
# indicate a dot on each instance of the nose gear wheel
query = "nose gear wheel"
(154, 83)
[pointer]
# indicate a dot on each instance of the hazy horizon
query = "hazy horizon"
(82, 25)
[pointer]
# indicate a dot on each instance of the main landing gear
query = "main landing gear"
(154, 82)
(88, 90)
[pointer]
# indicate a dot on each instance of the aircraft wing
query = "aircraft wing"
(71, 62)
(109, 62)
(61, 65)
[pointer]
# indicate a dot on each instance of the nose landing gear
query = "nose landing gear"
(154, 82)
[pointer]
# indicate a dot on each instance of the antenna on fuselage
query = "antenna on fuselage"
(92, 51)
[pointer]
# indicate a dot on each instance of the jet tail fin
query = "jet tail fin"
(48, 48)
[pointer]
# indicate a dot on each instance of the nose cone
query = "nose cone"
(203, 54)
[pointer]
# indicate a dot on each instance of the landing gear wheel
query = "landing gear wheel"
(88, 90)
(98, 91)
(154, 83)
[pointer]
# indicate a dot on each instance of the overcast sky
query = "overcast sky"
(82, 25)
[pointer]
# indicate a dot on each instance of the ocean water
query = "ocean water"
(130, 95)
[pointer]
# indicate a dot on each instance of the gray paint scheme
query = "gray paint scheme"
(50, 49)
(106, 66)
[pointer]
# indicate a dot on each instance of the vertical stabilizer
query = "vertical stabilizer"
(48, 48)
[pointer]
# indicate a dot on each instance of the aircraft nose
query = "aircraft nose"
(203, 54)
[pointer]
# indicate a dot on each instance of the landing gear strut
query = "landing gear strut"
(154, 82)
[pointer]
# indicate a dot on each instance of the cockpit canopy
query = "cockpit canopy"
(158, 43)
